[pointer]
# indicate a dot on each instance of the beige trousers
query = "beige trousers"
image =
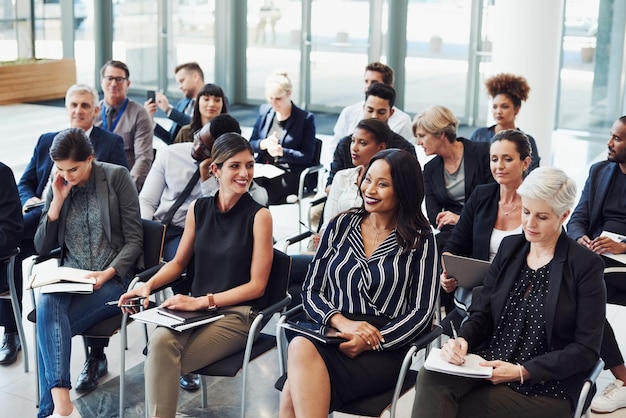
(172, 353)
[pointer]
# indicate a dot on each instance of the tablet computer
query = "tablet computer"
(468, 272)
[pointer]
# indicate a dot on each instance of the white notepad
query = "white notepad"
(470, 368)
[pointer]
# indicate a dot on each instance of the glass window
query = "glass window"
(8, 37)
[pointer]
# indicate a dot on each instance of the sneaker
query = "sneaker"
(74, 414)
(613, 397)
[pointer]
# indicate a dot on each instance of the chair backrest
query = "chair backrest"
(153, 240)
(278, 280)
(317, 153)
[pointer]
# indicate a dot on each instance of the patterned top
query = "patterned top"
(85, 240)
(400, 286)
(521, 330)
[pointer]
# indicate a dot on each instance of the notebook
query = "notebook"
(468, 272)
(319, 332)
(470, 368)
(192, 318)
(62, 279)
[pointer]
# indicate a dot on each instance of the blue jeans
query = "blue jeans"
(60, 316)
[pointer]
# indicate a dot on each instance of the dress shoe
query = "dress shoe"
(93, 370)
(190, 381)
(10, 346)
(74, 414)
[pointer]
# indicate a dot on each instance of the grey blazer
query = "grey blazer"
(117, 198)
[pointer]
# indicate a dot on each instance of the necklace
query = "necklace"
(376, 231)
(510, 211)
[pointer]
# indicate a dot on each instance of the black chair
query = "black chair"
(279, 298)
(371, 406)
(153, 240)
(8, 261)
(588, 390)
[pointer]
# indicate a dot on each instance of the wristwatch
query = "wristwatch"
(212, 306)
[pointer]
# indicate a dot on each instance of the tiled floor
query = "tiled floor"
(22, 126)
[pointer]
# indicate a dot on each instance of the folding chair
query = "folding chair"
(9, 261)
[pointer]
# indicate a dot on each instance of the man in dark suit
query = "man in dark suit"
(602, 207)
(190, 79)
(81, 102)
(11, 225)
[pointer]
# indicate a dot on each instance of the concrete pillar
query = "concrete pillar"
(528, 43)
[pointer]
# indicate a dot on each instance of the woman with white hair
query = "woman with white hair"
(283, 135)
(537, 322)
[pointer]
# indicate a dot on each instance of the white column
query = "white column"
(528, 43)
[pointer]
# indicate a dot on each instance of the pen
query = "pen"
(456, 337)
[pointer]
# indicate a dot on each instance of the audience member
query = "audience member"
(449, 178)
(374, 278)
(399, 122)
(602, 207)
(379, 100)
(369, 137)
(229, 237)
(492, 212)
(190, 79)
(81, 103)
(92, 214)
(210, 102)
(507, 92)
(535, 322)
(127, 118)
(283, 135)
(11, 226)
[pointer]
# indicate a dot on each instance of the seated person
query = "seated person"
(210, 102)
(374, 278)
(229, 237)
(602, 207)
(492, 212)
(11, 226)
(507, 92)
(190, 79)
(379, 100)
(283, 135)
(369, 137)
(92, 214)
(536, 321)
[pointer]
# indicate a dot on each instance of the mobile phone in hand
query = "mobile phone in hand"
(151, 95)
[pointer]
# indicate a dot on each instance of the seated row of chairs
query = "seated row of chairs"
(154, 233)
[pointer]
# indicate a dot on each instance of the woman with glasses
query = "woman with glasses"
(283, 135)
(210, 102)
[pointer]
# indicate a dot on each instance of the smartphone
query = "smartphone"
(151, 94)
(130, 303)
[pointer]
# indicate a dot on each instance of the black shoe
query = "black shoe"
(190, 381)
(10, 346)
(93, 370)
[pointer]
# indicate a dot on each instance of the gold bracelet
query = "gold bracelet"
(521, 374)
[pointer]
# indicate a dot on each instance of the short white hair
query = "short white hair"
(551, 185)
(82, 89)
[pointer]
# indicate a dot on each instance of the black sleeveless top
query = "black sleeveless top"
(223, 246)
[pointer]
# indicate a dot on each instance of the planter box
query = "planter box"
(36, 81)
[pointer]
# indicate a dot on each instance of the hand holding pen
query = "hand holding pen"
(455, 350)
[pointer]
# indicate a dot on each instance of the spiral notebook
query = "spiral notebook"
(185, 320)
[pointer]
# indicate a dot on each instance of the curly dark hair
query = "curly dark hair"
(511, 85)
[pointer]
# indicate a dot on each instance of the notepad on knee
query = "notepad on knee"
(470, 368)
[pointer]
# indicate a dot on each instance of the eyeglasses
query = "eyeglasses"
(199, 146)
(110, 79)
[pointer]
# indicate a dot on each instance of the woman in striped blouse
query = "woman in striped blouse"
(374, 278)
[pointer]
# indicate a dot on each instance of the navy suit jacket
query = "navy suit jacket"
(179, 119)
(298, 140)
(587, 217)
(477, 171)
(108, 147)
(574, 312)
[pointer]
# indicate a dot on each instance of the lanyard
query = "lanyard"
(117, 118)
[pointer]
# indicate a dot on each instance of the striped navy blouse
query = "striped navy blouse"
(403, 287)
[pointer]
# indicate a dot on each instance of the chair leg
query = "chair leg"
(17, 312)
(203, 390)
(123, 348)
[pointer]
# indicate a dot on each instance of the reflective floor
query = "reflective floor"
(22, 126)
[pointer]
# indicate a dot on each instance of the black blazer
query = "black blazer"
(298, 141)
(471, 235)
(477, 171)
(575, 311)
(11, 222)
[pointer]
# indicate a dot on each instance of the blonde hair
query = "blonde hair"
(436, 120)
(277, 83)
(550, 185)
